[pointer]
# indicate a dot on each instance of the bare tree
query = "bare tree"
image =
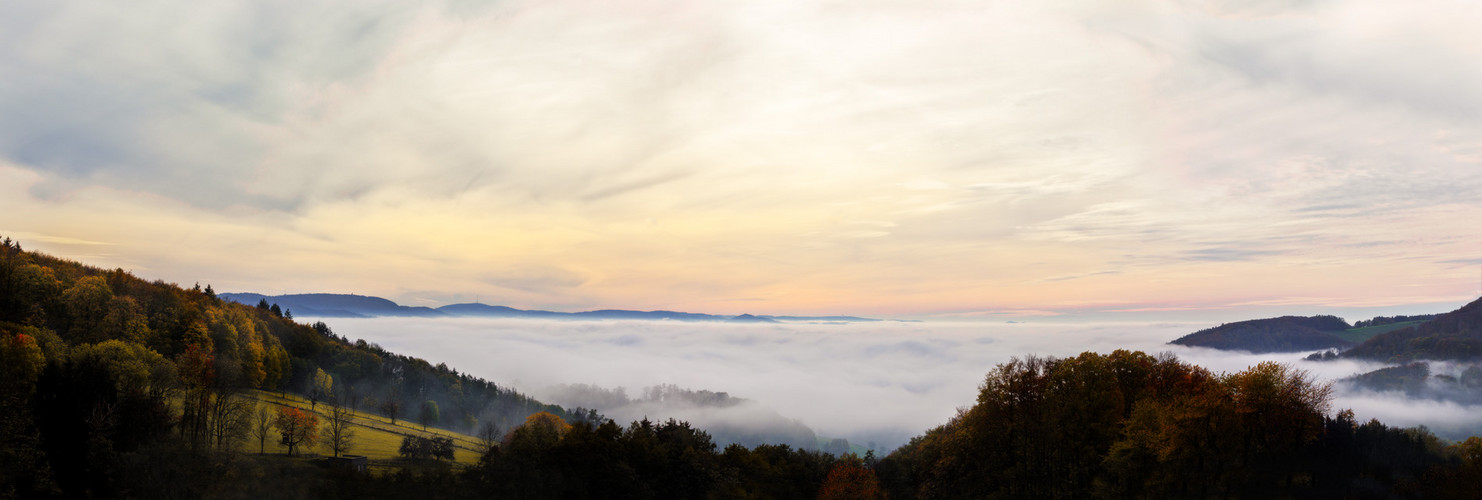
(337, 429)
(228, 417)
(488, 437)
(262, 427)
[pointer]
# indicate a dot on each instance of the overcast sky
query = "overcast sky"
(907, 158)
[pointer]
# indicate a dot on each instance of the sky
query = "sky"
(921, 158)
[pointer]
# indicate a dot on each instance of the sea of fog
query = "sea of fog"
(879, 383)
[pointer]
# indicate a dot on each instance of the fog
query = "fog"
(879, 383)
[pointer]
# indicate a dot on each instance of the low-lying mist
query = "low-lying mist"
(875, 384)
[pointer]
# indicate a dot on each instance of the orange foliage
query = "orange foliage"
(297, 428)
(850, 480)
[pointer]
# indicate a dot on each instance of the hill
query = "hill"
(100, 369)
(1283, 334)
(333, 305)
(1454, 336)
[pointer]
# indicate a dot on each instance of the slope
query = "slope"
(1454, 336)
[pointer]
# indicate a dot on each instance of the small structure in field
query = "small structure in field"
(356, 463)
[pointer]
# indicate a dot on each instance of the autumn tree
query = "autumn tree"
(849, 479)
(391, 409)
(87, 303)
(23, 466)
(298, 428)
(337, 430)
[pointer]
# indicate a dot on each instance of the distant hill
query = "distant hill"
(1283, 334)
(747, 318)
(1454, 336)
(331, 305)
(1456, 382)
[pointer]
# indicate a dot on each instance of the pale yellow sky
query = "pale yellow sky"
(912, 159)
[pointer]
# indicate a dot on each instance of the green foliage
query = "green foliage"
(1361, 334)
(1456, 336)
(421, 448)
(429, 413)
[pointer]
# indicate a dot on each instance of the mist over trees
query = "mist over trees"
(728, 419)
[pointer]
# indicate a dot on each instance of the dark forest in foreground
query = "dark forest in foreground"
(117, 387)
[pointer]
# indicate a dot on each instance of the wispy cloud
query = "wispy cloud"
(820, 157)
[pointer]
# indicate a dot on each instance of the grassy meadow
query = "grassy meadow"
(375, 436)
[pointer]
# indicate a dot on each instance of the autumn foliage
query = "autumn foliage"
(850, 480)
(297, 428)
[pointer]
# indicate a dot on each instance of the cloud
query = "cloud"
(849, 157)
(880, 382)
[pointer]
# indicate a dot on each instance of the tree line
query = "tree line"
(1130, 425)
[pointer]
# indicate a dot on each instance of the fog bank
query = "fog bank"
(866, 382)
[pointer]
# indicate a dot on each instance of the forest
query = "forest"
(114, 386)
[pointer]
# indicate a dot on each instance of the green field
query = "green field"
(1358, 335)
(375, 436)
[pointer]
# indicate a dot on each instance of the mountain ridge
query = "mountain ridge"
(337, 305)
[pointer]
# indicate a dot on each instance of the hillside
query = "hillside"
(1359, 334)
(100, 369)
(1454, 336)
(1283, 334)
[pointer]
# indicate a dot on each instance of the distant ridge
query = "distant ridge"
(334, 305)
(1283, 334)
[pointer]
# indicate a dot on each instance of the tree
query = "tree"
(322, 388)
(196, 367)
(337, 429)
(21, 361)
(262, 425)
(391, 409)
(297, 428)
(229, 417)
(87, 303)
(429, 413)
(488, 437)
(849, 479)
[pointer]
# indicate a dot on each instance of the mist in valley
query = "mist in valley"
(873, 384)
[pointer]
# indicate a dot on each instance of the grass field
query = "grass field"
(1366, 333)
(375, 436)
